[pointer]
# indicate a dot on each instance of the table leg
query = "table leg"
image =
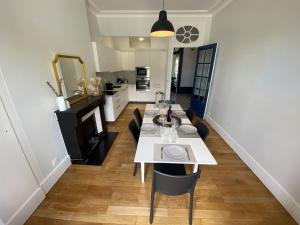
(195, 168)
(143, 172)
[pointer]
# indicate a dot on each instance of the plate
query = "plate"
(175, 152)
(151, 113)
(149, 128)
(188, 129)
(180, 113)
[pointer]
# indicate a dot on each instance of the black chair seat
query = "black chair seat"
(133, 128)
(139, 118)
(171, 169)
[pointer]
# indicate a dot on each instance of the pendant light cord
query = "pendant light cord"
(163, 4)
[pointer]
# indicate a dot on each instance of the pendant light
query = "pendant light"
(162, 27)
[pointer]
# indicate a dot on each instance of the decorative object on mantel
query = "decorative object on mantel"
(60, 100)
(61, 103)
(94, 85)
(162, 27)
(187, 34)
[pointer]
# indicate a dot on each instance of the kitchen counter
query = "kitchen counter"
(116, 101)
(115, 90)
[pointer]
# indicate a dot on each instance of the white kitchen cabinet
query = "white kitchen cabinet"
(142, 58)
(106, 59)
(128, 60)
(132, 92)
(144, 96)
(158, 62)
(115, 104)
(139, 96)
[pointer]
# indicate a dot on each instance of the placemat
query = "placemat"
(160, 156)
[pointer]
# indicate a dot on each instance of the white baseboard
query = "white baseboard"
(55, 174)
(27, 208)
(288, 202)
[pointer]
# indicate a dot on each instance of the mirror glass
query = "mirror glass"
(70, 76)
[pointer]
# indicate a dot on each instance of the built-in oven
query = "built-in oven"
(143, 72)
(142, 83)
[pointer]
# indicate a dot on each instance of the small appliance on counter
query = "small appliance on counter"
(122, 81)
(109, 88)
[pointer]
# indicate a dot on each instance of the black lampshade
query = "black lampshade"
(162, 27)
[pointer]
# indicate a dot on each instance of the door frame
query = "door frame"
(18, 129)
(211, 81)
(211, 77)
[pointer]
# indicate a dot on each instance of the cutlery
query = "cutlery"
(187, 152)
(161, 152)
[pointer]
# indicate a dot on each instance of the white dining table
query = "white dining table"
(146, 145)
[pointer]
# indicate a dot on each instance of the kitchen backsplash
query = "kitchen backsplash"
(112, 77)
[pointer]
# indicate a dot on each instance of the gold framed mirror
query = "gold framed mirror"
(70, 75)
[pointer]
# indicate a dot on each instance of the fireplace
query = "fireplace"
(88, 136)
(83, 128)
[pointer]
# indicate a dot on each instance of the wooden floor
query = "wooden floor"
(228, 193)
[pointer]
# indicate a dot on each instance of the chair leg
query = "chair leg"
(152, 206)
(135, 169)
(191, 208)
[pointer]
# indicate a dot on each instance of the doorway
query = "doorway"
(202, 78)
(182, 78)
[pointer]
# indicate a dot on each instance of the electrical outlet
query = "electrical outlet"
(54, 161)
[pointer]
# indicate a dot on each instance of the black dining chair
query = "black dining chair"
(190, 114)
(135, 131)
(167, 101)
(171, 179)
(138, 117)
(202, 130)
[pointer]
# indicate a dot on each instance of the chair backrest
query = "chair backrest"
(174, 185)
(202, 130)
(138, 117)
(167, 101)
(190, 114)
(135, 131)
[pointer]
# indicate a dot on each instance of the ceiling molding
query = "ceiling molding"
(91, 4)
(219, 7)
(213, 10)
(152, 13)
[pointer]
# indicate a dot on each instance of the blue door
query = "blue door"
(203, 72)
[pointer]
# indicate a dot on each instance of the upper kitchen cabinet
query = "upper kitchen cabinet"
(142, 58)
(158, 61)
(106, 59)
(128, 60)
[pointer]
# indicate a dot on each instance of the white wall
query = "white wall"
(188, 67)
(31, 33)
(94, 28)
(18, 184)
(255, 97)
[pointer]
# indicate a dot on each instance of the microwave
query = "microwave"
(143, 72)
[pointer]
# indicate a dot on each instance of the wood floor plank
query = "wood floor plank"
(226, 194)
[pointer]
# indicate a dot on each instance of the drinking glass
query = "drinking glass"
(173, 130)
(163, 131)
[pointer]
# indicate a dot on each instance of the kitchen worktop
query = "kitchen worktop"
(115, 89)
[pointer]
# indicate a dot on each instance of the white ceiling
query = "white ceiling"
(205, 6)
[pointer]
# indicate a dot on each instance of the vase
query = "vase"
(61, 103)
